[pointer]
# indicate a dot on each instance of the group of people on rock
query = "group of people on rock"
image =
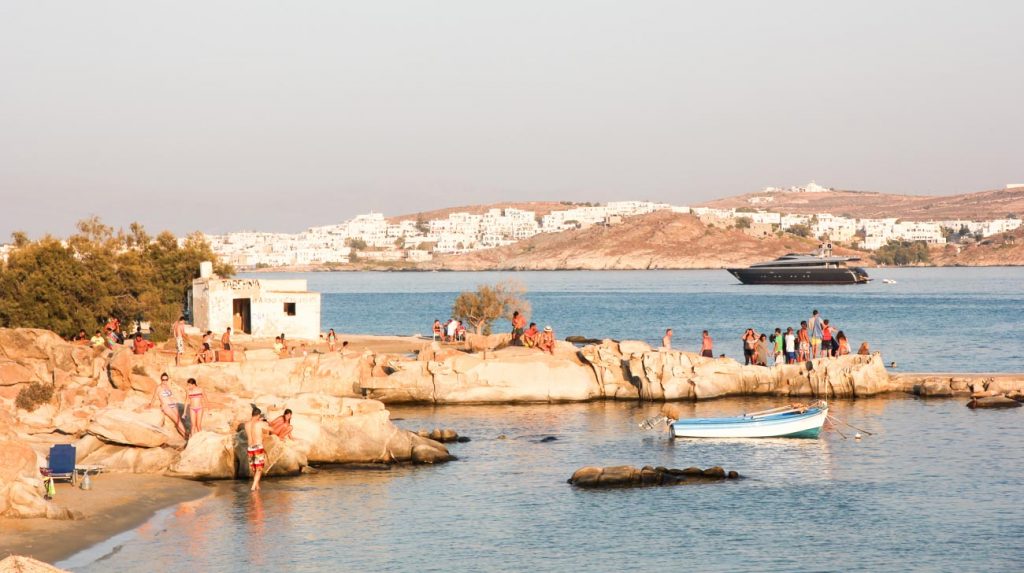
(815, 338)
(531, 337)
(193, 409)
(451, 330)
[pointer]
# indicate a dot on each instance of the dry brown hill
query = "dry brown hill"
(978, 206)
(540, 207)
(1005, 249)
(660, 240)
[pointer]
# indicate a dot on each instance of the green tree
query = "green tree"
(744, 222)
(101, 273)
(489, 303)
(800, 230)
(356, 244)
(901, 253)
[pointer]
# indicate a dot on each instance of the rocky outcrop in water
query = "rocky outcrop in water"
(629, 476)
(612, 370)
(100, 401)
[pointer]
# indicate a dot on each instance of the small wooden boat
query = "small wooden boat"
(795, 421)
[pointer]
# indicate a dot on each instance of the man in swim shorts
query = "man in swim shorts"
(255, 429)
(815, 327)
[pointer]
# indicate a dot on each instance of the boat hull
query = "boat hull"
(799, 276)
(789, 425)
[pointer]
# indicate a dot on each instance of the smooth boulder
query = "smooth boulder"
(209, 455)
(629, 476)
(128, 428)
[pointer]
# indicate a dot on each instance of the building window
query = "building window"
(289, 308)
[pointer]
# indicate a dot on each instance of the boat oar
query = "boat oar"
(838, 431)
(854, 427)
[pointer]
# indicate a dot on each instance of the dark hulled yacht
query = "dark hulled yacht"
(819, 268)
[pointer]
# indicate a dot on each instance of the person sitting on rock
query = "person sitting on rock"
(81, 338)
(530, 335)
(546, 340)
(205, 355)
(141, 345)
(864, 349)
(281, 426)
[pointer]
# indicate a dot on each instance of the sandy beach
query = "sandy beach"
(116, 503)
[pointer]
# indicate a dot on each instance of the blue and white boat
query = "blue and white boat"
(795, 421)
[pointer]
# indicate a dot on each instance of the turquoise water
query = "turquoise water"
(935, 489)
(932, 319)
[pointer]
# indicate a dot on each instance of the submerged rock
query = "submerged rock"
(992, 402)
(629, 476)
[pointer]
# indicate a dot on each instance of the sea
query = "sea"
(928, 485)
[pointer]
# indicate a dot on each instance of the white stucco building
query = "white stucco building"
(261, 308)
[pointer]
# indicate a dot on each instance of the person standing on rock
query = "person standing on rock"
(178, 332)
(817, 332)
(749, 339)
(790, 346)
(761, 350)
(168, 405)
(778, 348)
(707, 345)
(225, 339)
(332, 340)
(255, 429)
(666, 341)
(196, 404)
(803, 339)
(518, 328)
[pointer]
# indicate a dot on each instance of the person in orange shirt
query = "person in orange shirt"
(531, 335)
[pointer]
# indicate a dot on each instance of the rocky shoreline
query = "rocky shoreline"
(100, 400)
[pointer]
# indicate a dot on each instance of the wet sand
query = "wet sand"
(116, 503)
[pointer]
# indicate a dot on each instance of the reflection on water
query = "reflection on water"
(932, 486)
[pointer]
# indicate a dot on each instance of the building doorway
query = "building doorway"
(241, 315)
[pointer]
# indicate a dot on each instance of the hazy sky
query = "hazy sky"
(280, 115)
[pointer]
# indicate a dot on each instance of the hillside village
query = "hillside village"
(372, 237)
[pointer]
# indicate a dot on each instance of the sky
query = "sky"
(276, 116)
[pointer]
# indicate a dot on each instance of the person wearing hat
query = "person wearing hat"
(546, 340)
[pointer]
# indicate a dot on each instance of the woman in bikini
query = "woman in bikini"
(167, 403)
(196, 402)
(332, 340)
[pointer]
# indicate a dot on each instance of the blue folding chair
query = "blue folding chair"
(62, 462)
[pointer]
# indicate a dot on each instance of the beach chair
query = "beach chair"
(62, 462)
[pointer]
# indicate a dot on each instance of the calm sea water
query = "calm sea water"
(932, 319)
(935, 489)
